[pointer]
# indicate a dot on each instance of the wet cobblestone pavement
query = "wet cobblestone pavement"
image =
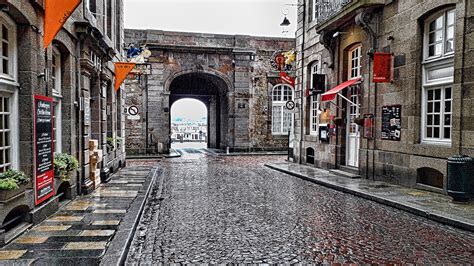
(234, 210)
(81, 231)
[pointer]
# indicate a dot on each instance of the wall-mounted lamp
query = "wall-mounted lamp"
(337, 33)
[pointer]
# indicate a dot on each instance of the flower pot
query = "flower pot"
(6, 195)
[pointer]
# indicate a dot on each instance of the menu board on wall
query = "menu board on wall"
(43, 146)
(392, 122)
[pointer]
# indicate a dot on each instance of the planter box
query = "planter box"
(7, 195)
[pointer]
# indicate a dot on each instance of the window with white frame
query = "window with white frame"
(282, 118)
(438, 77)
(440, 35)
(8, 94)
(56, 76)
(314, 105)
(355, 57)
(56, 71)
(5, 134)
(7, 47)
(438, 113)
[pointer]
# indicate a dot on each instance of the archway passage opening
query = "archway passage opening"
(189, 124)
(212, 91)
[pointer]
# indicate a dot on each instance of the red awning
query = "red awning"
(331, 94)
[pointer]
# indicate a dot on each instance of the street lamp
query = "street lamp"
(285, 22)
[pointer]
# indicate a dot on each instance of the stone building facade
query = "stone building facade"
(230, 74)
(424, 116)
(77, 72)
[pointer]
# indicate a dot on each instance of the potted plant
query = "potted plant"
(12, 183)
(64, 165)
(110, 144)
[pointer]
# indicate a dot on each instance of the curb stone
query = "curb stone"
(404, 207)
(117, 251)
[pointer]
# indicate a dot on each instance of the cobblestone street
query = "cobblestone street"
(218, 209)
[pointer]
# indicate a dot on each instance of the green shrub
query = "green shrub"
(8, 184)
(19, 177)
(110, 141)
(64, 165)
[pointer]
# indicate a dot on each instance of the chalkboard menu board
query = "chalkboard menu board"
(43, 135)
(392, 122)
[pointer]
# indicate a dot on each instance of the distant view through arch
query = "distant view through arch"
(189, 124)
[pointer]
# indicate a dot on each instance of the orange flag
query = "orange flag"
(121, 72)
(56, 13)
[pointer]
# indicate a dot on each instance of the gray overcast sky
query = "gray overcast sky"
(248, 17)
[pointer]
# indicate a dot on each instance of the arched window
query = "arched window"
(8, 94)
(438, 77)
(282, 118)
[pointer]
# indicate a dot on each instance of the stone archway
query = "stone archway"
(213, 92)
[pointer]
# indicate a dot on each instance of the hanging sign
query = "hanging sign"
(43, 149)
(56, 14)
(392, 122)
(383, 67)
(287, 79)
(121, 72)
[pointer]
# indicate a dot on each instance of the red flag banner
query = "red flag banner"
(287, 79)
(121, 72)
(383, 67)
(56, 14)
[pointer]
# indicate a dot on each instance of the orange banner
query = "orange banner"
(121, 72)
(56, 13)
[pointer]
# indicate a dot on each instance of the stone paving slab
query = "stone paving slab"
(430, 205)
(81, 232)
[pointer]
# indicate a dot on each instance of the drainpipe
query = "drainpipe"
(363, 19)
(300, 161)
(463, 63)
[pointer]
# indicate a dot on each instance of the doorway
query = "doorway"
(189, 124)
(352, 132)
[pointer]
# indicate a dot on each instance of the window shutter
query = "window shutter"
(310, 11)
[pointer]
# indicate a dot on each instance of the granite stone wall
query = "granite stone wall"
(230, 74)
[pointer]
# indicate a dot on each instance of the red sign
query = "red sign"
(43, 149)
(287, 79)
(383, 67)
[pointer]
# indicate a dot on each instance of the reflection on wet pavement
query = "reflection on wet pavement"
(234, 210)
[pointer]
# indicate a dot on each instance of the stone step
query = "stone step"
(344, 173)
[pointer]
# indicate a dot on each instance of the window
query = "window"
(314, 103)
(355, 56)
(438, 114)
(439, 31)
(5, 134)
(9, 128)
(282, 118)
(7, 47)
(438, 77)
(109, 19)
(56, 71)
(56, 76)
